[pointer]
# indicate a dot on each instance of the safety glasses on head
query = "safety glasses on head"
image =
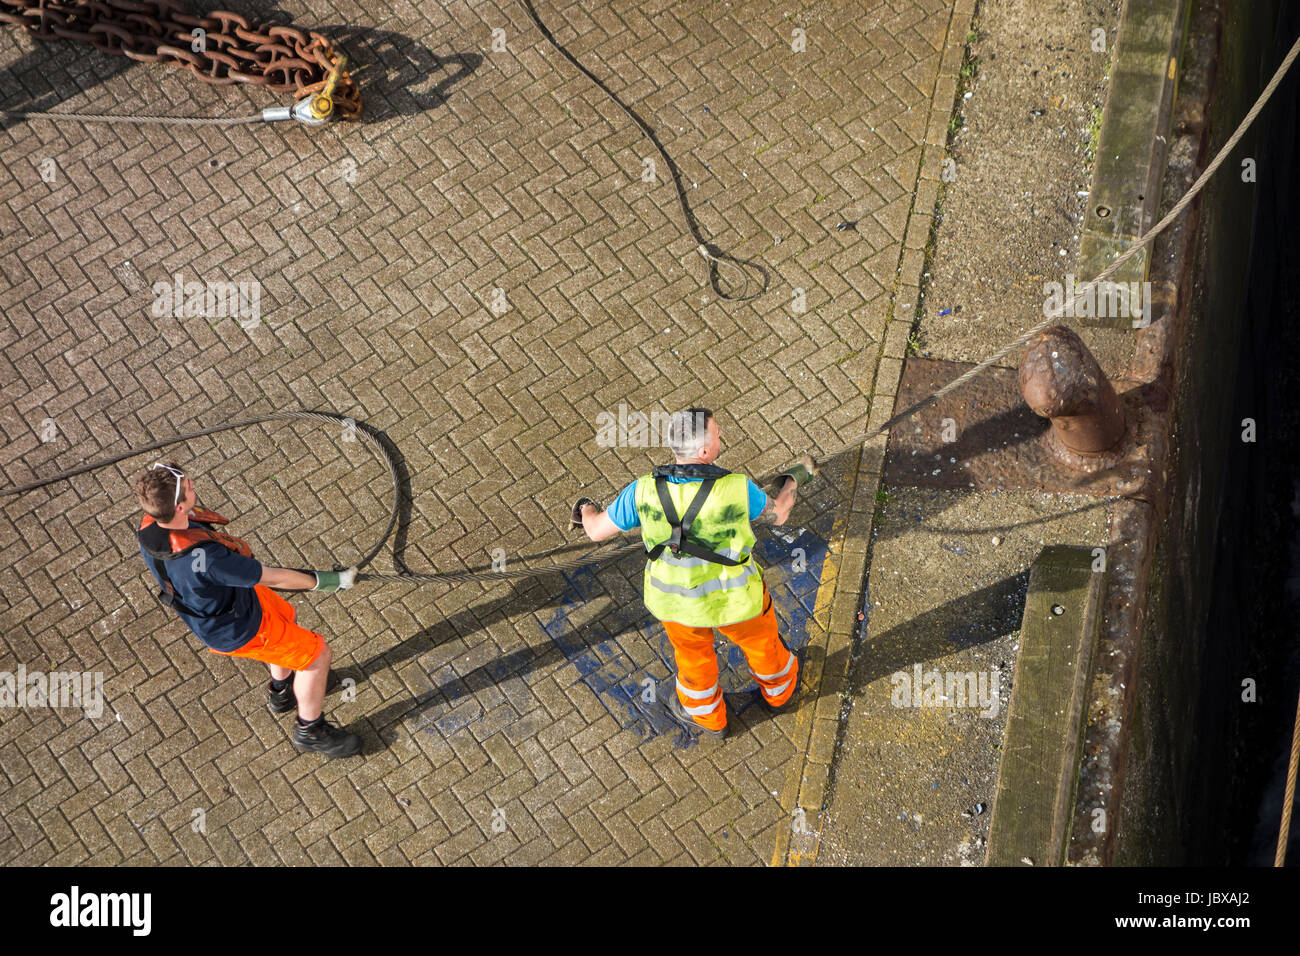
(180, 476)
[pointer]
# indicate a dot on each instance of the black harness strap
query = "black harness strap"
(154, 540)
(167, 595)
(679, 542)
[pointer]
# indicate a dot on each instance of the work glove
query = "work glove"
(335, 580)
(575, 520)
(801, 471)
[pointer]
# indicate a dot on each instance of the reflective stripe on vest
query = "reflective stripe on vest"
(717, 584)
(686, 561)
(690, 590)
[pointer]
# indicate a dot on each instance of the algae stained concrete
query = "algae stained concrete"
(940, 593)
(1013, 204)
(915, 779)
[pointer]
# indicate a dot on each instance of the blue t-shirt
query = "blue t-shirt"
(623, 511)
(217, 584)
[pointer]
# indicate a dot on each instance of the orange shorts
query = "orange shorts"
(279, 640)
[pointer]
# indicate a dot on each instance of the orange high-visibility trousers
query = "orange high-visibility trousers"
(774, 668)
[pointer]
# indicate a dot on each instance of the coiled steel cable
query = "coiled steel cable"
(711, 253)
(606, 553)
(370, 439)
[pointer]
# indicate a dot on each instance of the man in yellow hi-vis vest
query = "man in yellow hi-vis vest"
(695, 522)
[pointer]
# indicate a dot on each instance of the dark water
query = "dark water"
(1272, 551)
(1276, 749)
(1253, 629)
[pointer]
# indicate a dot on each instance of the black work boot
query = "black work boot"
(678, 713)
(321, 737)
(281, 701)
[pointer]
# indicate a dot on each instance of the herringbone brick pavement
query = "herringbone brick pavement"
(503, 722)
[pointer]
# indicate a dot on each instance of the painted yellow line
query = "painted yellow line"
(821, 615)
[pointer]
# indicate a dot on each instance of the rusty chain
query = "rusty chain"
(220, 48)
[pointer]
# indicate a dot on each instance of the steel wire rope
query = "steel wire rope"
(607, 553)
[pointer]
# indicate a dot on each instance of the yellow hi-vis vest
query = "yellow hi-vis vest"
(692, 590)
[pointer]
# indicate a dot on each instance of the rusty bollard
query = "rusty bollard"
(1061, 381)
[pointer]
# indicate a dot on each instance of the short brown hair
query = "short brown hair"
(156, 490)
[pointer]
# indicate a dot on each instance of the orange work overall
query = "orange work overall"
(774, 668)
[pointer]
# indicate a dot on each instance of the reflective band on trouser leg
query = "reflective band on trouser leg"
(774, 668)
(690, 698)
(768, 681)
(779, 674)
(697, 674)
